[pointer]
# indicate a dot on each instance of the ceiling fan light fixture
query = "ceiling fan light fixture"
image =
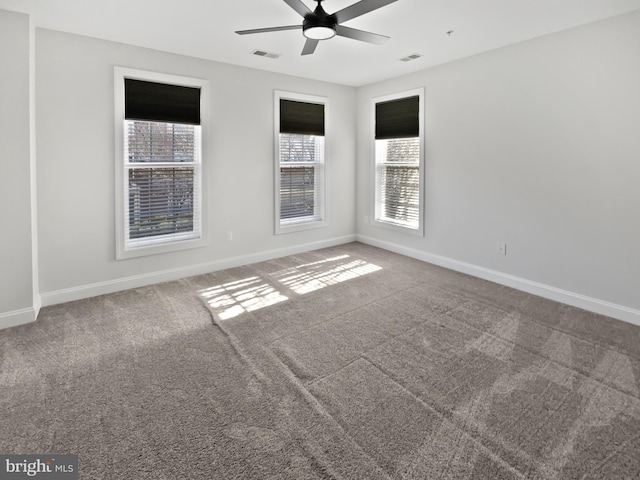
(319, 32)
(319, 25)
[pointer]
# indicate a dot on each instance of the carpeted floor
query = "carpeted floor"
(344, 363)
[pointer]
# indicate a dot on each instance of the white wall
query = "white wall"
(75, 124)
(537, 145)
(16, 266)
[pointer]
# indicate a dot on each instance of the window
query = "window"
(399, 161)
(159, 162)
(300, 162)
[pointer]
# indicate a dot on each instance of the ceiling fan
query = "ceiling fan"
(319, 25)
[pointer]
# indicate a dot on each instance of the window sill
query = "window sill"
(143, 251)
(398, 227)
(299, 225)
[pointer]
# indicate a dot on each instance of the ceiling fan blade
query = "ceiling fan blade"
(269, 29)
(361, 35)
(298, 6)
(310, 46)
(360, 8)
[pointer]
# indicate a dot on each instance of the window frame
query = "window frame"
(377, 221)
(320, 174)
(156, 245)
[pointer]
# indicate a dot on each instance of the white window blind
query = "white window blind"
(398, 185)
(163, 170)
(301, 171)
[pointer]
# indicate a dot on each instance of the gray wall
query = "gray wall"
(17, 304)
(534, 144)
(75, 108)
(537, 145)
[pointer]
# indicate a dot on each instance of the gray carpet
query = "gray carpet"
(343, 363)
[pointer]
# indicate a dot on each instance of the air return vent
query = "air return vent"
(413, 56)
(263, 53)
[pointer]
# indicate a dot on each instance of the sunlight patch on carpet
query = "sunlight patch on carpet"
(231, 299)
(314, 276)
(234, 298)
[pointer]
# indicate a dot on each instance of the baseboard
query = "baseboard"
(119, 284)
(18, 317)
(584, 302)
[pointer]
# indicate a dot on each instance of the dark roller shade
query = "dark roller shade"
(398, 118)
(301, 117)
(161, 102)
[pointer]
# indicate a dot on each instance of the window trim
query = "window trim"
(419, 92)
(308, 223)
(121, 216)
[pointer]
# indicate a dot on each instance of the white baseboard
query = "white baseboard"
(18, 317)
(136, 281)
(591, 304)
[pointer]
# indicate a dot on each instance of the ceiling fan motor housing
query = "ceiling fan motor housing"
(320, 20)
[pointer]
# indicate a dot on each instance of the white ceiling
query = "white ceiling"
(205, 29)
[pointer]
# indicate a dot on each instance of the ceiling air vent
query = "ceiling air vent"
(262, 53)
(413, 56)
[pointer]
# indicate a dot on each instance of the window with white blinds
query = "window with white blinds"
(300, 162)
(301, 170)
(163, 170)
(160, 170)
(398, 181)
(399, 161)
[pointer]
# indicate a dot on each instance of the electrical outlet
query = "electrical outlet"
(502, 248)
(229, 236)
(366, 219)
